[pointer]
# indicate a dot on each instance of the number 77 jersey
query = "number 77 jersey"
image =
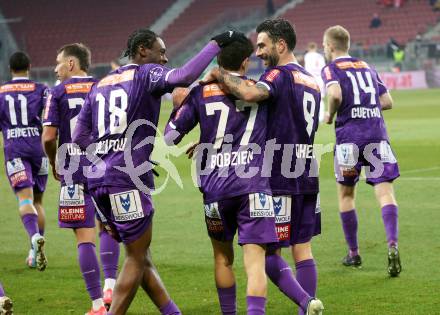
(232, 141)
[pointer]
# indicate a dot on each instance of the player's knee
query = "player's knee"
(224, 259)
(302, 252)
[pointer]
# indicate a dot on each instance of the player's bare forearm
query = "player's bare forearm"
(49, 139)
(241, 88)
(386, 101)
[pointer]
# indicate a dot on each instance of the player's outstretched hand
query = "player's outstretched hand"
(224, 39)
(210, 76)
(179, 94)
(327, 118)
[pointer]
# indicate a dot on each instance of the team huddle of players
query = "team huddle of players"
(254, 136)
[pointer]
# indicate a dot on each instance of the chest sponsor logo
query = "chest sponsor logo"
(72, 204)
(126, 206)
(261, 206)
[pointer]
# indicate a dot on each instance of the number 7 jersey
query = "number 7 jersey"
(359, 116)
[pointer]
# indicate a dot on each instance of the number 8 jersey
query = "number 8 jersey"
(293, 107)
(21, 106)
(359, 116)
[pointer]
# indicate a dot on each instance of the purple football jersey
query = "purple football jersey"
(359, 117)
(293, 120)
(122, 110)
(232, 135)
(21, 107)
(63, 105)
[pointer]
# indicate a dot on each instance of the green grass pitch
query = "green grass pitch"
(182, 253)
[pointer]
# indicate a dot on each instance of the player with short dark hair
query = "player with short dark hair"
(124, 108)
(358, 96)
(232, 202)
(21, 106)
(292, 96)
(76, 209)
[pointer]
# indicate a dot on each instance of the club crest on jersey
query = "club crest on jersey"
(211, 210)
(155, 74)
(126, 206)
(261, 205)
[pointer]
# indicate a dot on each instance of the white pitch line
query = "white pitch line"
(419, 170)
(418, 178)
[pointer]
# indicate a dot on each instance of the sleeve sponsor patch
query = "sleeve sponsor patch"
(212, 90)
(272, 75)
(328, 74)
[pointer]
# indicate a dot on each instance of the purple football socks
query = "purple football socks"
(281, 275)
(389, 216)
(350, 226)
(307, 277)
(2, 292)
(227, 299)
(88, 263)
(170, 309)
(256, 305)
(30, 222)
(109, 252)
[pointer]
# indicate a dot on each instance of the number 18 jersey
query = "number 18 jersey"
(122, 112)
(359, 115)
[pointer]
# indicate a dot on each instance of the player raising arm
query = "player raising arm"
(292, 97)
(231, 200)
(123, 109)
(357, 95)
(21, 107)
